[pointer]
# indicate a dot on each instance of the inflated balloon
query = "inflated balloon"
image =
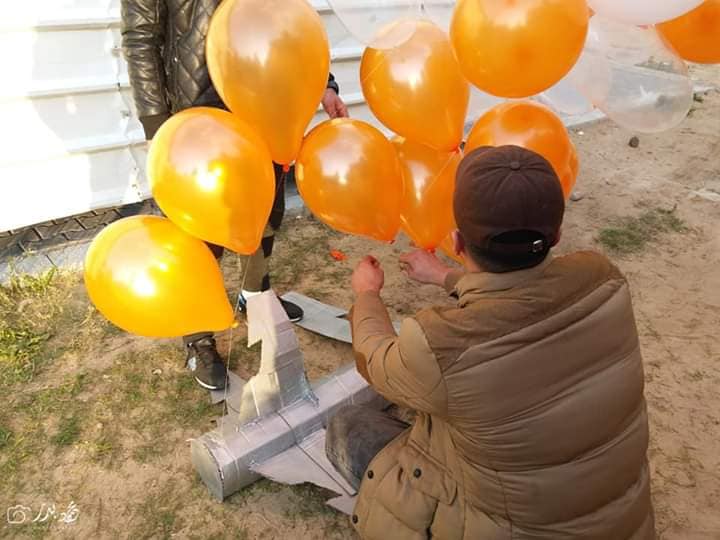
(269, 61)
(648, 89)
(642, 12)
(591, 75)
(417, 90)
(518, 49)
(532, 126)
(447, 246)
(213, 177)
(381, 24)
(696, 35)
(565, 97)
(428, 188)
(349, 176)
(570, 176)
(150, 278)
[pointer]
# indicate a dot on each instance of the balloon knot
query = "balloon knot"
(286, 168)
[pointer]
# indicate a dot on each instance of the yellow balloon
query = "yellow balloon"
(150, 278)
(269, 60)
(349, 176)
(213, 177)
(417, 89)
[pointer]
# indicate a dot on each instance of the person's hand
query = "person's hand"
(368, 276)
(424, 267)
(334, 105)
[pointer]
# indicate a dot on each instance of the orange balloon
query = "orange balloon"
(428, 187)
(349, 176)
(696, 35)
(150, 278)
(417, 89)
(213, 177)
(518, 48)
(269, 60)
(532, 126)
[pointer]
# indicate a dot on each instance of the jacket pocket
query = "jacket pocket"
(411, 492)
(427, 475)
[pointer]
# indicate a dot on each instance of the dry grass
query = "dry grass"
(82, 397)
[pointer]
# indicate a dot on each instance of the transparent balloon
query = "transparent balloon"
(648, 88)
(381, 24)
(641, 12)
(439, 11)
(565, 98)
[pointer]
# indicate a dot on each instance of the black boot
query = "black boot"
(206, 365)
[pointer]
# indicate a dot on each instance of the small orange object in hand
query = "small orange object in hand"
(338, 255)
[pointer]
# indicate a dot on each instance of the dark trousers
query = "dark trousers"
(255, 267)
(355, 435)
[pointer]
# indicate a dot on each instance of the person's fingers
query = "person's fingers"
(406, 258)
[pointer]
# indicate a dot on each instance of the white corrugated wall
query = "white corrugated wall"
(69, 138)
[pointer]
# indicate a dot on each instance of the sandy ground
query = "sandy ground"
(126, 463)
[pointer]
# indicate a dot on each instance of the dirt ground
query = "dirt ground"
(93, 416)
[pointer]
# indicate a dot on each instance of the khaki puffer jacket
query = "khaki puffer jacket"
(532, 422)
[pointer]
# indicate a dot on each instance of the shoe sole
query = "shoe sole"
(294, 320)
(208, 386)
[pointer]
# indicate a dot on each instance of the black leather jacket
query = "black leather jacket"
(164, 44)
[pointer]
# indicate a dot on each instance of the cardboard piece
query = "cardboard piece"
(305, 462)
(328, 321)
(344, 504)
(275, 426)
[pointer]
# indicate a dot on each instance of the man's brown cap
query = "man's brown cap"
(508, 189)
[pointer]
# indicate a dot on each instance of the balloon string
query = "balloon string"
(286, 169)
(230, 348)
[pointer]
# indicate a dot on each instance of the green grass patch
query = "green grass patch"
(20, 354)
(5, 437)
(33, 311)
(633, 234)
(68, 431)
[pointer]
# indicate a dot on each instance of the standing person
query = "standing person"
(531, 418)
(164, 44)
